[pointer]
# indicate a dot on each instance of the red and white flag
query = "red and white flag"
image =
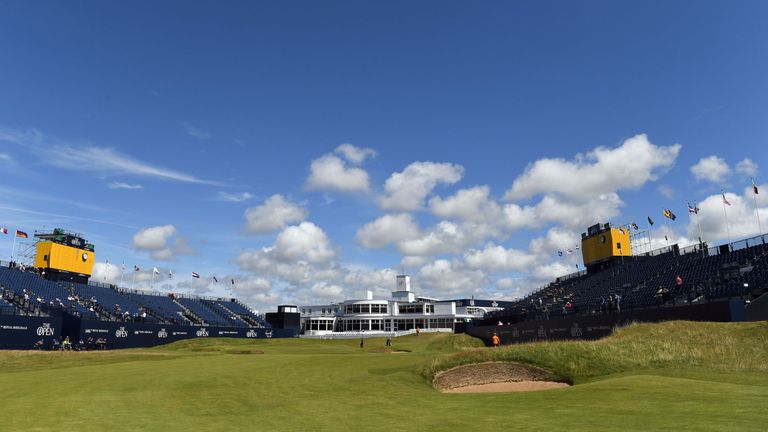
(195, 275)
(4, 230)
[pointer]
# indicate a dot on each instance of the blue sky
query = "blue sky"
(311, 150)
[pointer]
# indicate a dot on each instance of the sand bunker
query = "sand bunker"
(495, 377)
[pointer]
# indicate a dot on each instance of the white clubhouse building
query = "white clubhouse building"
(404, 311)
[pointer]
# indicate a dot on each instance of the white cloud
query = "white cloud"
(157, 241)
(355, 155)
(747, 167)
(496, 258)
(253, 290)
(121, 185)
(79, 157)
(329, 172)
(153, 238)
(305, 242)
(196, 132)
(107, 273)
(444, 278)
(406, 190)
(386, 230)
(445, 237)
(294, 255)
(165, 254)
(578, 215)
(711, 168)
(601, 171)
(473, 204)
(741, 217)
(556, 239)
(238, 197)
(326, 291)
(666, 191)
(276, 213)
(5, 157)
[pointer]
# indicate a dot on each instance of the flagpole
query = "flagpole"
(725, 213)
(122, 271)
(757, 211)
(650, 242)
(13, 248)
(152, 283)
(666, 231)
(133, 282)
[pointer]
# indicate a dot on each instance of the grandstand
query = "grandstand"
(732, 271)
(54, 298)
(701, 283)
(697, 282)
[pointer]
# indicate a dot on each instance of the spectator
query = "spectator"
(495, 340)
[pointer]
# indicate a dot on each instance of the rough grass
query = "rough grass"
(673, 344)
(674, 376)
(669, 345)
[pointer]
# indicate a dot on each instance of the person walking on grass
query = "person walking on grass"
(495, 340)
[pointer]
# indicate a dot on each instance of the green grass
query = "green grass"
(671, 376)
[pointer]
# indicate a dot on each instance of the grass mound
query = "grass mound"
(669, 345)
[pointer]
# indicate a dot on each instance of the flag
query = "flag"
(4, 230)
(195, 275)
(665, 238)
(569, 251)
(559, 253)
(650, 221)
(233, 281)
(215, 280)
(693, 209)
(754, 187)
(725, 201)
(122, 265)
(21, 234)
(577, 247)
(170, 274)
(136, 268)
(621, 230)
(155, 270)
(668, 214)
(635, 227)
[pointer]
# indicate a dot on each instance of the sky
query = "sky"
(310, 151)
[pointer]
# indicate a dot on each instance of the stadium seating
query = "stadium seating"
(739, 270)
(206, 313)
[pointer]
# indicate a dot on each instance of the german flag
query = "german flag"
(21, 234)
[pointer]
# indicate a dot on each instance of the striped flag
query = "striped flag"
(136, 268)
(21, 234)
(155, 270)
(4, 230)
(725, 201)
(693, 209)
(754, 187)
(195, 275)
